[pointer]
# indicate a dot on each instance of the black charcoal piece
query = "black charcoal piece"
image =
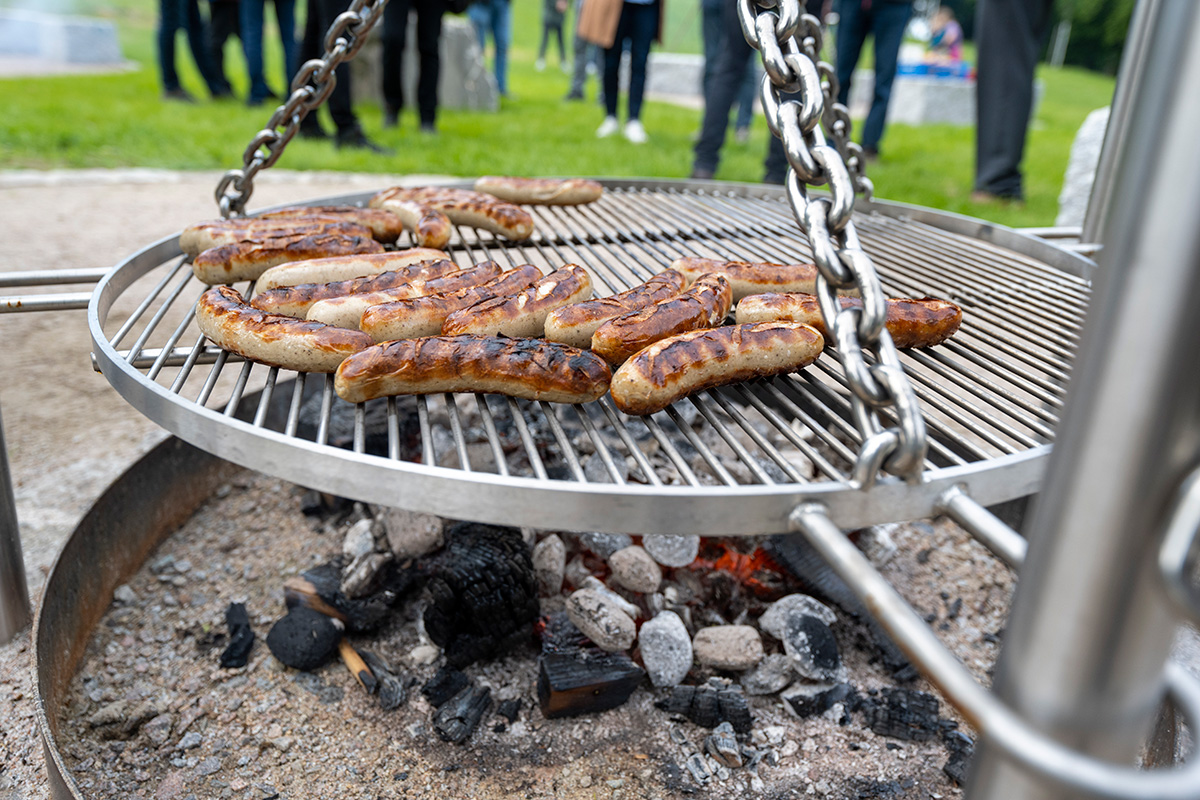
(961, 748)
(241, 636)
(812, 647)
(304, 639)
(708, 706)
(320, 589)
(509, 709)
(806, 700)
(585, 682)
(483, 593)
(904, 714)
(458, 717)
(722, 745)
(393, 688)
(445, 684)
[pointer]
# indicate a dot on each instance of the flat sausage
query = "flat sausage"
(575, 324)
(754, 277)
(912, 323)
(384, 226)
(344, 268)
(465, 207)
(532, 369)
(704, 305)
(246, 261)
(195, 239)
(429, 227)
(672, 369)
(523, 314)
(347, 311)
(295, 301)
(541, 191)
(272, 339)
(424, 316)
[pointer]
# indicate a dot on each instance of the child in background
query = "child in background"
(946, 43)
(553, 12)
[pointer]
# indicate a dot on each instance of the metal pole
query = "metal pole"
(1090, 629)
(14, 593)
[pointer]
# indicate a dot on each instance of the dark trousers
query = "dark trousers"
(713, 27)
(173, 15)
(429, 32)
(1009, 35)
(321, 14)
(548, 29)
(638, 24)
(253, 14)
(886, 21)
(222, 24)
(732, 60)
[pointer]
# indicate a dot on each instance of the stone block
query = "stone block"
(61, 38)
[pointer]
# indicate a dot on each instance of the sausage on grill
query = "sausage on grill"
(429, 227)
(424, 316)
(704, 305)
(754, 277)
(912, 323)
(673, 368)
(523, 314)
(575, 324)
(344, 268)
(541, 191)
(273, 339)
(385, 226)
(202, 236)
(465, 207)
(532, 369)
(295, 301)
(246, 261)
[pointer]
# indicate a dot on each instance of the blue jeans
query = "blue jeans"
(173, 15)
(252, 43)
(887, 21)
(714, 29)
(494, 16)
(638, 24)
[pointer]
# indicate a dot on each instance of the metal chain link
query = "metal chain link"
(790, 44)
(310, 88)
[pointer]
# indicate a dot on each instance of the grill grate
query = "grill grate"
(993, 391)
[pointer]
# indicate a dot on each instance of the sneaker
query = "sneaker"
(574, 94)
(540, 65)
(742, 135)
(429, 128)
(357, 140)
(635, 133)
(608, 128)
(311, 129)
(178, 94)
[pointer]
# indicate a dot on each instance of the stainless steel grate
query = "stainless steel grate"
(991, 395)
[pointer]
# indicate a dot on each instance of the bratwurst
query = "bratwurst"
(295, 301)
(464, 207)
(246, 261)
(704, 305)
(575, 324)
(541, 191)
(523, 314)
(753, 277)
(912, 323)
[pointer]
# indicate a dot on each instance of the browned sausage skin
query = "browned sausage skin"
(246, 261)
(541, 191)
(754, 277)
(429, 227)
(384, 226)
(912, 323)
(295, 301)
(202, 236)
(523, 314)
(575, 324)
(465, 207)
(704, 305)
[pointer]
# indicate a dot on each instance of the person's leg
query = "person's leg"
(612, 62)
(395, 29)
(581, 49)
(481, 19)
(429, 32)
(851, 33)
(888, 25)
(501, 38)
(198, 40)
(749, 91)
(285, 15)
(541, 56)
(252, 44)
(222, 24)
(643, 25)
(710, 29)
(170, 20)
(727, 81)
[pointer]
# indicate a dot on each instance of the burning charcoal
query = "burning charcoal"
(722, 744)
(666, 649)
(320, 589)
(446, 683)
(672, 551)
(304, 639)
(601, 620)
(810, 699)
(904, 714)
(241, 636)
(774, 619)
(457, 718)
(812, 647)
(549, 562)
(771, 675)
(393, 691)
(633, 568)
(410, 534)
(483, 593)
(961, 749)
(577, 572)
(708, 706)
(733, 647)
(509, 709)
(605, 544)
(576, 677)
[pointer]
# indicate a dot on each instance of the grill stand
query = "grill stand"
(14, 593)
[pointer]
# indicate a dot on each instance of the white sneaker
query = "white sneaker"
(635, 133)
(608, 128)
(540, 64)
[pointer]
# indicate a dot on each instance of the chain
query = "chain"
(790, 44)
(310, 88)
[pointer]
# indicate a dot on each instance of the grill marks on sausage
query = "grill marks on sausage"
(345, 268)
(523, 314)
(429, 227)
(465, 207)
(704, 305)
(575, 324)
(384, 226)
(923, 322)
(294, 301)
(752, 277)
(541, 191)
(245, 261)
(202, 236)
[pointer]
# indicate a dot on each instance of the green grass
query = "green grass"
(119, 121)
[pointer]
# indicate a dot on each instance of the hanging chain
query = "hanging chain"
(311, 87)
(790, 44)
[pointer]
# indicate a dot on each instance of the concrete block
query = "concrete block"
(53, 37)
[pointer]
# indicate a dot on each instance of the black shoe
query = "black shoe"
(391, 119)
(311, 129)
(429, 128)
(178, 94)
(701, 174)
(775, 180)
(574, 94)
(357, 140)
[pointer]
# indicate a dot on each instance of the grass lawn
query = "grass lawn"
(119, 120)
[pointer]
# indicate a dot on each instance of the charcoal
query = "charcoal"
(709, 706)
(812, 647)
(393, 688)
(576, 677)
(699, 768)
(812, 699)
(457, 718)
(304, 639)
(320, 589)
(961, 749)
(340, 430)
(904, 714)
(509, 709)
(484, 594)
(325, 506)
(241, 636)
(445, 684)
(722, 744)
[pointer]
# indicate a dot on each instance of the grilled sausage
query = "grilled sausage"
(704, 305)
(669, 370)
(295, 301)
(754, 277)
(344, 268)
(541, 191)
(195, 239)
(575, 324)
(912, 323)
(347, 311)
(424, 316)
(272, 339)
(465, 207)
(246, 261)
(429, 227)
(523, 314)
(385, 226)
(533, 369)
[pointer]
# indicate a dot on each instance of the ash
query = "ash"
(152, 714)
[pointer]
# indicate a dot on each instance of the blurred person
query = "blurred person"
(252, 17)
(320, 16)
(172, 16)
(395, 39)
(886, 20)
(494, 17)
(611, 24)
(222, 24)
(713, 29)
(1008, 35)
(553, 13)
(587, 57)
(947, 40)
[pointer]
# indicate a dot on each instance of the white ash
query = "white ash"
(359, 577)
(772, 675)
(732, 647)
(410, 534)
(597, 585)
(672, 551)
(577, 572)
(774, 619)
(549, 562)
(634, 569)
(359, 540)
(666, 649)
(812, 647)
(601, 620)
(605, 544)
(877, 544)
